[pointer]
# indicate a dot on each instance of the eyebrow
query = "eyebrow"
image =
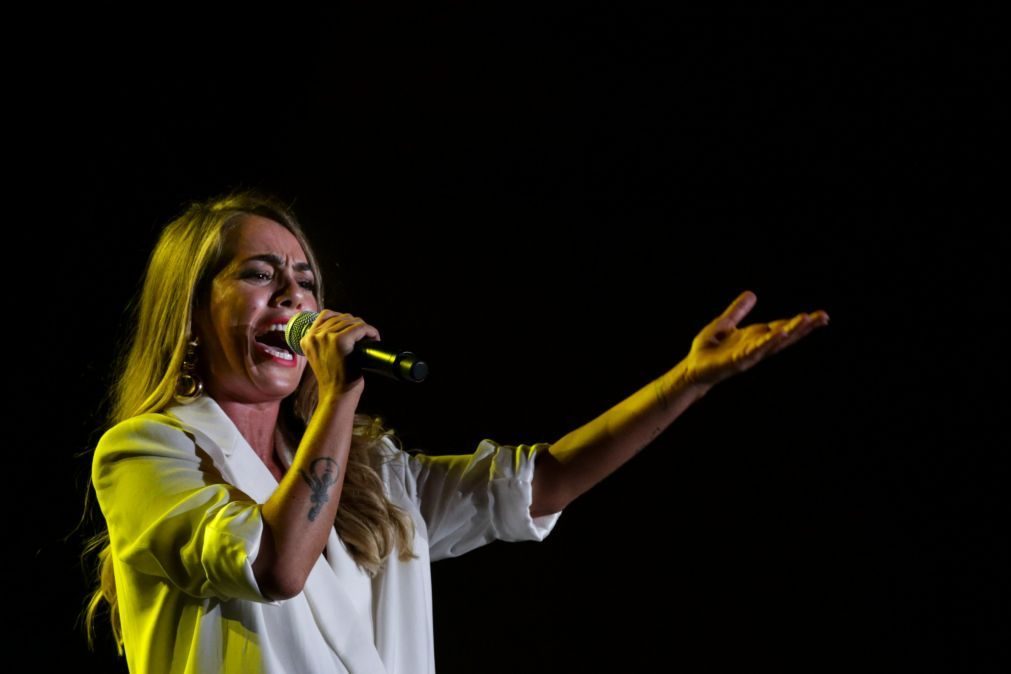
(278, 262)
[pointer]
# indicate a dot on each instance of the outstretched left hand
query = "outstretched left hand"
(722, 349)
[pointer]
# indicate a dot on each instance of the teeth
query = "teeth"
(277, 352)
(276, 327)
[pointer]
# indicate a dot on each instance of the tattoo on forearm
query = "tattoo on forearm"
(322, 473)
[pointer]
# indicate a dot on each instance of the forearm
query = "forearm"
(300, 513)
(588, 454)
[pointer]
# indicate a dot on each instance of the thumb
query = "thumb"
(727, 322)
(738, 309)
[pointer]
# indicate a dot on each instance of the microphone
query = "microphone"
(369, 355)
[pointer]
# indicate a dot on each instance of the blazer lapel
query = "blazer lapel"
(341, 624)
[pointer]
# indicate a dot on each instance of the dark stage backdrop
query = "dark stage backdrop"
(548, 208)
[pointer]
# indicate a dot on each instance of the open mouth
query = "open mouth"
(274, 339)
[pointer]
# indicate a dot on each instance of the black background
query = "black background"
(548, 208)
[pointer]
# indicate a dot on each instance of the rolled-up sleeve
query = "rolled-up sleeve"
(468, 500)
(171, 515)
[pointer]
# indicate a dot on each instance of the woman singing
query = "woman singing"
(257, 522)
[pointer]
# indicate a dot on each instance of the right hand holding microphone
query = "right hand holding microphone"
(326, 345)
(368, 353)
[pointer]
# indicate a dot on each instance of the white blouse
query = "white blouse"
(182, 493)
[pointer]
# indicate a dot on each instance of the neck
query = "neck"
(256, 422)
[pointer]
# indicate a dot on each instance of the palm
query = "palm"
(722, 349)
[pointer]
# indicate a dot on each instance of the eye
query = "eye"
(262, 275)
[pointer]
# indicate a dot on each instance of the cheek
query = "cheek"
(237, 306)
(231, 325)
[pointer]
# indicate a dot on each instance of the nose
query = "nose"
(291, 294)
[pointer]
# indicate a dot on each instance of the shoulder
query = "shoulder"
(143, 433)
(387, 454)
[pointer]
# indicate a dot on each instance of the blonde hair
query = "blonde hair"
(190, 252)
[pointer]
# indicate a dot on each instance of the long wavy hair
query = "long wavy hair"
(190, 252)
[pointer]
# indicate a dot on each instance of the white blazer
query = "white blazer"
(182, 493)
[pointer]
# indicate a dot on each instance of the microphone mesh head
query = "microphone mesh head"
(296, 328)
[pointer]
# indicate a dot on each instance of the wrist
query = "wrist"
(679, 378)
(337, 401)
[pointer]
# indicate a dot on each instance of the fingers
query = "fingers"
(791, 331)
(342, 322)
(326, 316)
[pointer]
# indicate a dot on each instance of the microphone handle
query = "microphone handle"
(369, 355)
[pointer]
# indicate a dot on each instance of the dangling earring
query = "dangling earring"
(188, 386)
